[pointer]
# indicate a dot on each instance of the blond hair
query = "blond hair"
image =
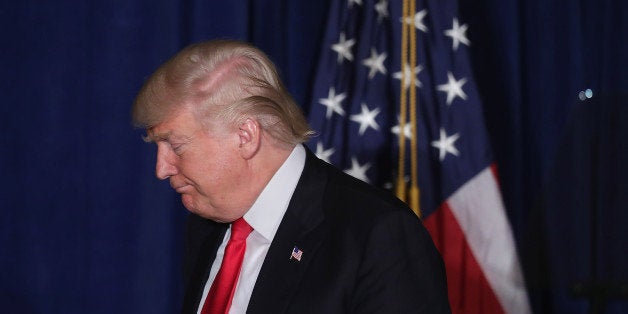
(223, 81)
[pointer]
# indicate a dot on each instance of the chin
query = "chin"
(194, 209)
(189, 204)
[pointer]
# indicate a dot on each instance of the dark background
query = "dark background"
(86, 228)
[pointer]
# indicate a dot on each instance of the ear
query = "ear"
(250, 135)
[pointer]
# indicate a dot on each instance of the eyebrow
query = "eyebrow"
(156, 137)
(164, 136)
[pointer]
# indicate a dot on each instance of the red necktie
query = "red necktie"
(221, 292)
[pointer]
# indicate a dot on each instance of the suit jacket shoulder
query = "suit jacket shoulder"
(363, 251)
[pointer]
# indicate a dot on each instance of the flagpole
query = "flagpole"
(414, 189)
(401, 189)
(408, 63)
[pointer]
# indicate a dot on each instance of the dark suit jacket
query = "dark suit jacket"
(364, 251)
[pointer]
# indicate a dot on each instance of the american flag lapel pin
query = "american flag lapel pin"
(296, 254)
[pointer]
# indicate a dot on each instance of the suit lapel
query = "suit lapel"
(301, 228)
(211, 234)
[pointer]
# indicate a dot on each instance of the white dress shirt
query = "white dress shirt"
(264, 216)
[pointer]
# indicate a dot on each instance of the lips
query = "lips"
(179, 187)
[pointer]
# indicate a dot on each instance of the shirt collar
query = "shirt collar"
(268, 210)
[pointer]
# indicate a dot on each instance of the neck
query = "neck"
(262, 167)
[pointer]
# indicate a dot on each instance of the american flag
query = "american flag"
(355, 109)
(296, 254)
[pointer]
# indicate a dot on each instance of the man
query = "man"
(229, 138)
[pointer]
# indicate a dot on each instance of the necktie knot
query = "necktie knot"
(240, 229)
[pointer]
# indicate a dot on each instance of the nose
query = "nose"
(165, 166)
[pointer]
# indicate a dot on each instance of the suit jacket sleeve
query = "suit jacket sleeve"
(398, 268)
(400, 271)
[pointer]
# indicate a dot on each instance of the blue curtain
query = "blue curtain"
(86, 228)
(550, 73)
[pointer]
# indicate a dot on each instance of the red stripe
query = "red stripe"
(469, 291)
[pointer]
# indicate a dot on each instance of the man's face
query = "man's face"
(204, 166)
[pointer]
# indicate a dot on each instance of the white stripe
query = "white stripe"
(479, 209)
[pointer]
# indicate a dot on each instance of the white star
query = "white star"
(322, 153)
(407, 129)
(358, 171)
(375, 63)
(382, 9)
(343, 48)
(417, 20)
(358, 2)
(453, 88)
(407, 75)
(457, 33)
(366, 119)
(446, 144)
(333, 103)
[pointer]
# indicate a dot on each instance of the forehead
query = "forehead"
(179, 124)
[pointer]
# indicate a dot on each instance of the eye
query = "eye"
(177, 148)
